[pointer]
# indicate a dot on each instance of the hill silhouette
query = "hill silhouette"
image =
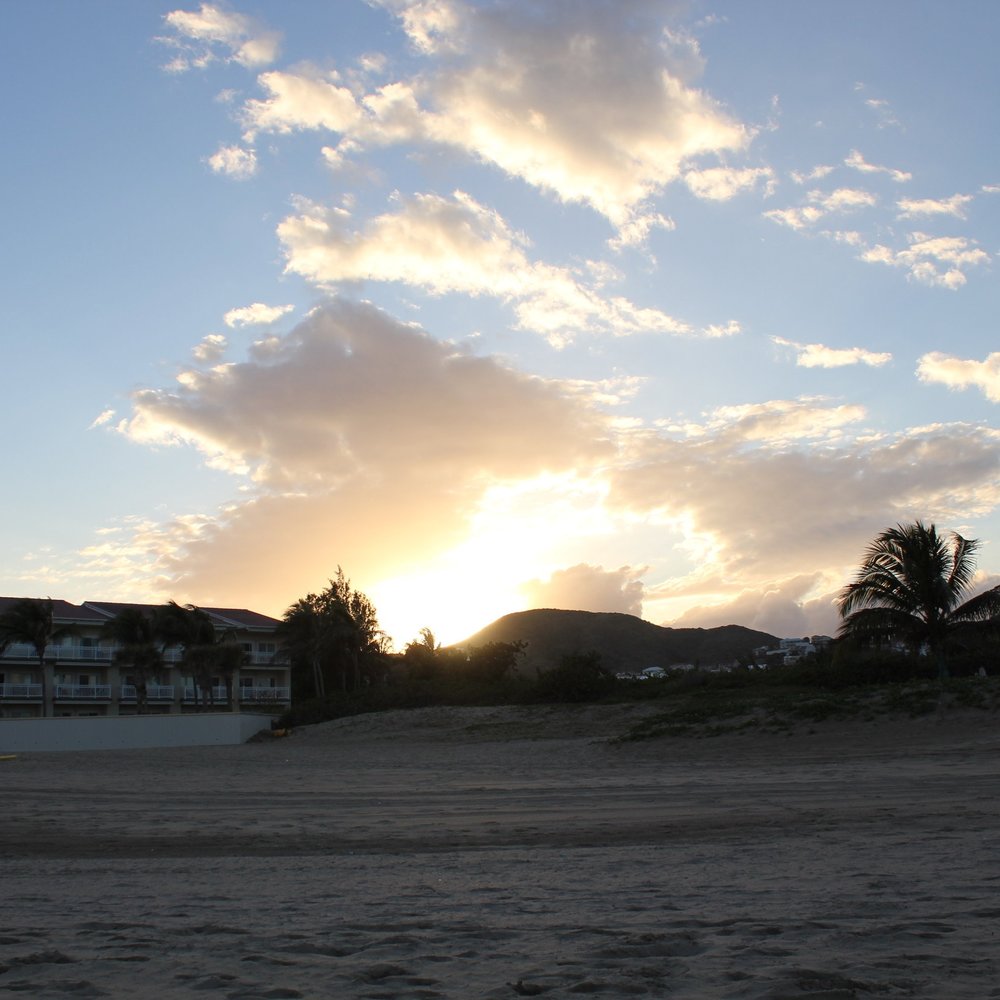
(624, 642)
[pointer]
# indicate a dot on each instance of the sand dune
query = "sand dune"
(510, 852)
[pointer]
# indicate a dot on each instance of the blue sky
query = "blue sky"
(655, 307)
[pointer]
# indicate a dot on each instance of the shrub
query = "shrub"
(579, 677)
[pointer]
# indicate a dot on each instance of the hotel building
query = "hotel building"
(80, 674)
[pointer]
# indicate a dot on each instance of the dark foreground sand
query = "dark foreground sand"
(506, 852)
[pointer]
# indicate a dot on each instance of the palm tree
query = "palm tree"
(135, 633)
(910, 588)
(301, 632)
(337, 628)
(32, 621)
(207, 654)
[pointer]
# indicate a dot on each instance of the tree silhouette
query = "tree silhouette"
(31, 621)
(135, 633)
(909, 589)
(336, 631)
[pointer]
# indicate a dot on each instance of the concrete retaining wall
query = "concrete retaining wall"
(130, 732)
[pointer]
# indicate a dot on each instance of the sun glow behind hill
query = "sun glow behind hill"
(655, 308)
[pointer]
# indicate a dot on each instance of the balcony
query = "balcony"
(97, 653)
(83, 692)
(154, 692)
(218, 696)
(263, 695)
(24, 692)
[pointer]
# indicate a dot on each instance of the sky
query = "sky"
(641, 306)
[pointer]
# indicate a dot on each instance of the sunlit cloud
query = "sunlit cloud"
(297, 101)
(594, 105)
(817, 173)
(257, 314)
(211, 349)
(213, 32)
(457, 245)
(961, 373)
(730, 329)
(234, 161)
(304, 414)
(821, 204)
(787, 608)
(778, 422)
(910, 208)
(883, 111)
(366, 443)
(821, 356)
(589, 588)
(932, 260)
(723, 183)
(103, 418)
(771, 507)
(857, 162)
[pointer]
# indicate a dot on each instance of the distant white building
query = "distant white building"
(795, 649)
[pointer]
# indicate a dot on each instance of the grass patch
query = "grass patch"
(708, 711)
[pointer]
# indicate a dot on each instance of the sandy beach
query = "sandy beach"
(499, 852)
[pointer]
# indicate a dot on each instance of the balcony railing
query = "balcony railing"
(261, 695)
(218, 695)
(84, 692)
(20, 690)
(106, 653)
(154, 692)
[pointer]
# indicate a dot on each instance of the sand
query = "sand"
(510, 852)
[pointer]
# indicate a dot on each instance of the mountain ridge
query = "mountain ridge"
(624, 642)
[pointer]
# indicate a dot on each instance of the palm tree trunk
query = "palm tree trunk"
(45, 687)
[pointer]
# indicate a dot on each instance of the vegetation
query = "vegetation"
(909, 599)
(908, 593)
(31, 621)
(138, 652)
(334, 639)
(206, 654)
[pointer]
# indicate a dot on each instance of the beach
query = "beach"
(504, 852)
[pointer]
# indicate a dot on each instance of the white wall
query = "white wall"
(130, 731)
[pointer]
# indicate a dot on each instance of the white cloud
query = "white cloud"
(199, 35)
(593, 104)
(730, 329)
(884, 114)
(778, 423)
(938, 261)
(960, 373)
(723, 183)
(234, 161)
(821, 204)
(821, 356)
(211, 349)
(843, 199)
(589, 588)
(455, 244)
(257, 314)
(857, 162)
(299, 101)
(102, 419)
(581, 100)
(912, 207)
(817, 173)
